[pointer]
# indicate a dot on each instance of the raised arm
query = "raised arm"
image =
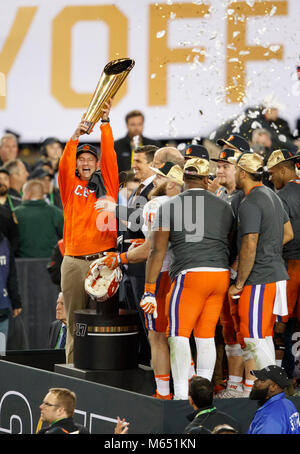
(108, 159)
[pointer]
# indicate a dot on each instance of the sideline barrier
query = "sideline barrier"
(99, 405)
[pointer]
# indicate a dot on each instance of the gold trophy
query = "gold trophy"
(111, 79)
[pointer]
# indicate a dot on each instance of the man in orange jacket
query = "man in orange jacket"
(87, 234)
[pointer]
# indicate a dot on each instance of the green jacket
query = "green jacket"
(40, 227)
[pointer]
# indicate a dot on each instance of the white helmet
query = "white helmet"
(101, 283)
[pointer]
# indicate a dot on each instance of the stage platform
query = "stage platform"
(139, 380)
(100, 398)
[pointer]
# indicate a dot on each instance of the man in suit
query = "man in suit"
(130, 221)
(58, 329)
(126, 146)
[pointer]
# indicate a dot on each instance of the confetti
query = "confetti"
(274, 48)
(253, 114)
(273, 10)
(256, 125)
(160, 34)
(282, 138)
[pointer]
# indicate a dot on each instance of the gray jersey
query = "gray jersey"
(290, 196)
(199, 225)
(262, 212)
(224, 195)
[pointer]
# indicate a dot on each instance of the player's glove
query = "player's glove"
(112, 260)
(135, 243)
(148, 302)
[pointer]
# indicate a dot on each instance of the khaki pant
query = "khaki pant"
(73, 273)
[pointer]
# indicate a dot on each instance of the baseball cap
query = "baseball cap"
(87, 148)
(196, 151)
(225, 154)
(171, 171)
(275, 373)
(50, 141)
(236, 141)
(197, 166)
(39, 172)
(278, 156)
(250, 162)
(4, 170)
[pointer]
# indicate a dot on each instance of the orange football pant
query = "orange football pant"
(159, 324)
(229, 314)
(194, 303)
(253, 312)
(293, 291)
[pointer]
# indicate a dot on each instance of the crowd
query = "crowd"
(207, 238)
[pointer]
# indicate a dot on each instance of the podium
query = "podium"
(106, 340)
(106, 348)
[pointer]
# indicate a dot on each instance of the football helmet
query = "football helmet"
(101, 283)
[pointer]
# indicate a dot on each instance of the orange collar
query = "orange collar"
(255, 186)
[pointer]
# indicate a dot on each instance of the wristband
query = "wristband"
(122, 258)
(150, 288)
(105, 121)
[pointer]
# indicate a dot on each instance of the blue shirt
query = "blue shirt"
(277, 416)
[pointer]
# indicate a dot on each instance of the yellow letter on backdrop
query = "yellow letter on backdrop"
(239, 52)
(160, 55)
(61, 49)
(14, 41)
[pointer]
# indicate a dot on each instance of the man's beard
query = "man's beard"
(259, 394)
(3, 189)
(159, 191)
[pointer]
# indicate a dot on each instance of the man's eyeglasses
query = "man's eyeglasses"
(49, 405)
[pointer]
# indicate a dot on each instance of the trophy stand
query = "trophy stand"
(106, 338)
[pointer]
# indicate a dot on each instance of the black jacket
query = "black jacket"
(207, 420)
(123, 150)
(9, 227)
(137, 269)
(54, 333)
(64, 426)
(253, 118)
(12, 281)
